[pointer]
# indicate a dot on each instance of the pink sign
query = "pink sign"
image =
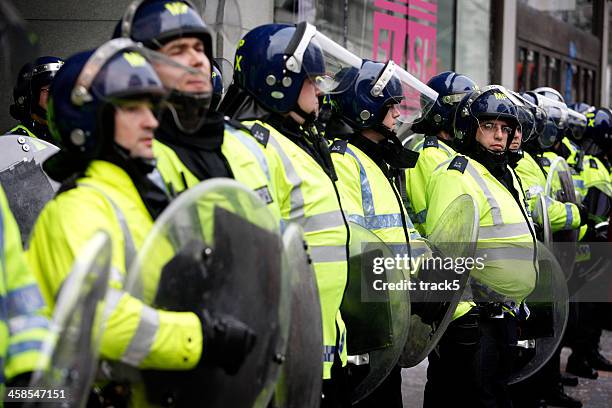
(405, 31)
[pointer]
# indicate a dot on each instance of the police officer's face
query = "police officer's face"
(493, 134)
(189, 52)
(516, 141)
(134, 126)
(43, 97)
(392, 114)
(308, 100)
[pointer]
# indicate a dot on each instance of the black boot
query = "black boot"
(560, 399)
(569, 380)
(580, 366)
(599, 362)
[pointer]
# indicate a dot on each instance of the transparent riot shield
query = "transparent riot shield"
(376, 311)
(27, 186)
(300, 381)
(540, 218)
(216, 250)
(548, 304)
(441, 277)
(70, 352)
(560, 186)
(559, 182)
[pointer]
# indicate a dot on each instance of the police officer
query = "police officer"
(23, 326)
(105, 126)
(472, 362)
(279, 74)
(562, 216)
(366, 164)
(30, 96)
(193, 142)
(437, 144)
(586, 357)
(545, 386)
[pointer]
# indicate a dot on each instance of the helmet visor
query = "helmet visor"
(577, 124)
(556, 111)
(323, 60)
(416, 97)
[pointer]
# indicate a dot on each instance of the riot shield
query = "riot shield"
(540, 218)
(70, 352)
(548, 304)
(222, 239)
(559, 182)
(300, 380)
(27, 186)
(376, 311)
(453, 238)
(560, 186)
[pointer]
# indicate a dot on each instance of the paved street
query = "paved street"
(592, 393)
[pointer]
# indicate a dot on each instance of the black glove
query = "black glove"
(226, 341)
(584, 214)
(190, 264)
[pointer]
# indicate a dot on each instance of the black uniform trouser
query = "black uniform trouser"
(388, 394)
(471, 365)
(584, 339)
(336, 391)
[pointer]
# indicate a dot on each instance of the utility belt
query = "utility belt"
(500, 310)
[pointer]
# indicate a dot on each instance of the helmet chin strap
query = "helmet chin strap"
(309, 118)
(189, 110)
(394, 153)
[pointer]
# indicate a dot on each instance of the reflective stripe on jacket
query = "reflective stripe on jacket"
(135, 333)
(306, 195)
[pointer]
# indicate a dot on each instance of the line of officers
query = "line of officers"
(321, 150)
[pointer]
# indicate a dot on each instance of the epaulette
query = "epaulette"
(260, 133)
(339, 146)
(593, 164)
(544, 161)
(431, 141)
(459, 163)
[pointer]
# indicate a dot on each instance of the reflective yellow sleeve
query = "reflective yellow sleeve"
(563, 216)
(24, 306)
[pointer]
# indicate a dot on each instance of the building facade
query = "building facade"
(521, 44)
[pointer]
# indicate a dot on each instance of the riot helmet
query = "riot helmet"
(582, 107)
(274, 61)
(86, 93)
(555, 122)
(550, 93)
(490, 111)
(375, 99)
(598, 134)
(217, 85)
(451, 87)
(33, 79)
(158, 24)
